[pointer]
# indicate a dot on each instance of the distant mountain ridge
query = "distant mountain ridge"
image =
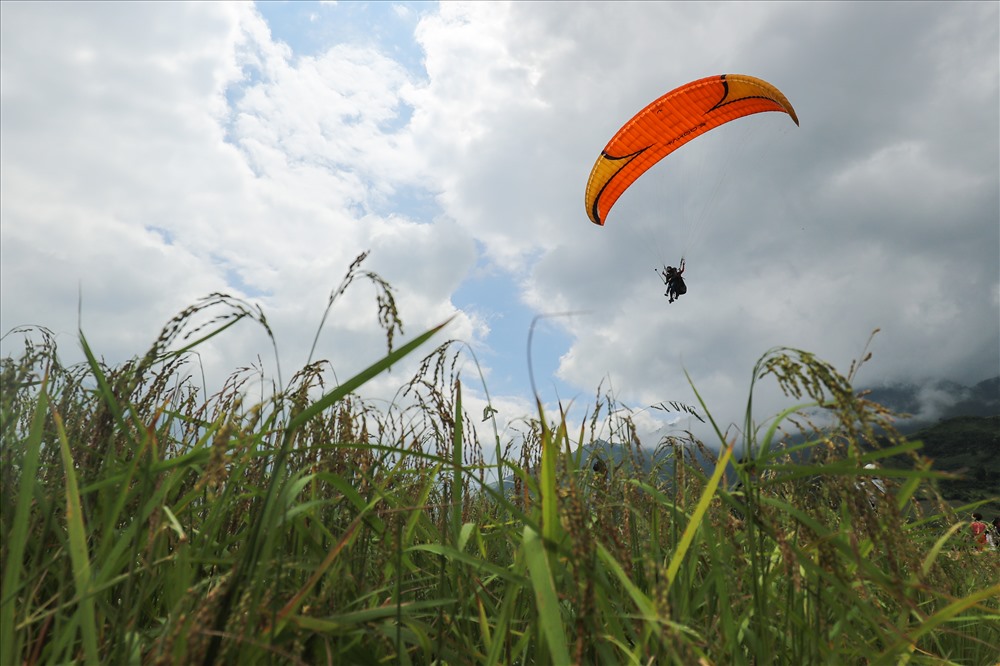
(959, 427)
(927, 403)
(968, 446)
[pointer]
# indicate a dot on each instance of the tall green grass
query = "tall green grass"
(146, 523)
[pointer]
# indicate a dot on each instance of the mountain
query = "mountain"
(970, 447)
(603, 456)
(927, 403)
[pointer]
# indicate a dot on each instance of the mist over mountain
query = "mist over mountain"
(923, 404)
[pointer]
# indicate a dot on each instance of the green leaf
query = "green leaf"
(546, 599)
(79, 556)
(17, 538)
(699, 512)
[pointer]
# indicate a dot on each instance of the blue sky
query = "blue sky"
(310, 28)
(154, 153)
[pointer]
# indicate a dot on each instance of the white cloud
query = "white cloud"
(154, 153)
(138, 136)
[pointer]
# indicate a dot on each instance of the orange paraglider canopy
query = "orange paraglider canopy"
(667, 124)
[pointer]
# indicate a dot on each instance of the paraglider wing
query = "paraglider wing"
(667, 124)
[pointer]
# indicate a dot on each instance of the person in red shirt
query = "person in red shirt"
(978, 530)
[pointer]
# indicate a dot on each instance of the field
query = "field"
(147, 523)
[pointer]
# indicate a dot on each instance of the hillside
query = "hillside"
(970, 446)
(923, 405)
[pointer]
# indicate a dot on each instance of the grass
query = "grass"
(146, 523)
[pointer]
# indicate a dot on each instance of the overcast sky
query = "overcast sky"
(153, 153)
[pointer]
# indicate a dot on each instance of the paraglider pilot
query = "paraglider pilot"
(675, 283)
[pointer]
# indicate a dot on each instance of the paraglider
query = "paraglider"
(669, 122)
(675, 283)
(665, 125)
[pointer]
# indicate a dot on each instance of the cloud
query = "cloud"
(185, 153)
(155, 153)
(811, 237)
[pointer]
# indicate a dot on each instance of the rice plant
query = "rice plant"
(146, 522)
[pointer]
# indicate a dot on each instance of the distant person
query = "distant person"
(600, 467)
(871, 486)
(675, 283)
(978, 531)
(994, 534)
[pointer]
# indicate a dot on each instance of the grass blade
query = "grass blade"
(78, 549)
(456, 469)
(699, 512)
(17, 538)
(546, 599)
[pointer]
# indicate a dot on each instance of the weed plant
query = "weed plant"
(145, 523)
